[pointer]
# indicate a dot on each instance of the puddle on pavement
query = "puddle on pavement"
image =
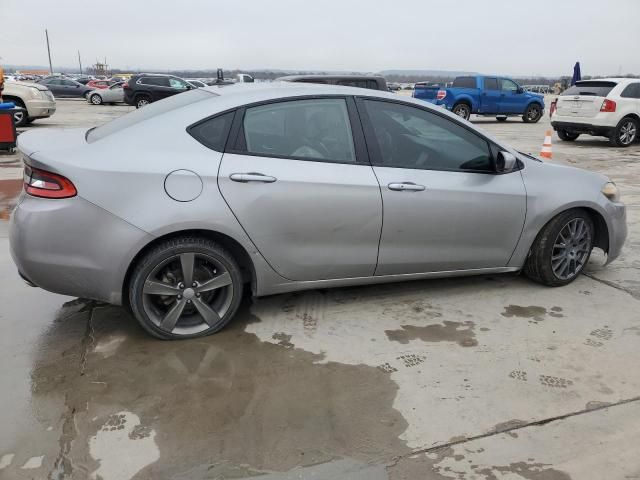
(227, 400)
(533, 312)
(461, 333)
(9, 191)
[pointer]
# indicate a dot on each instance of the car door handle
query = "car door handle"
(252, 177)
(409, 186)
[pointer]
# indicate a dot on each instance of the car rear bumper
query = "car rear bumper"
(72, 247)
(598, 130)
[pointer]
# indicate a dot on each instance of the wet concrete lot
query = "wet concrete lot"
(476, 378)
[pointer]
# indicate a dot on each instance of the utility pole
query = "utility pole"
(48, 51)
(80, 62)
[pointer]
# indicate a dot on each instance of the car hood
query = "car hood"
(25, 84)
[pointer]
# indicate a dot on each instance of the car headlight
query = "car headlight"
(611, 191)
(35, 93)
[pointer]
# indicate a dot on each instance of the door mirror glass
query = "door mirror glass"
(505, 162)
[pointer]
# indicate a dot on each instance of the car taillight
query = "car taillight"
(41, 183)
(608, 106)
(441, 94)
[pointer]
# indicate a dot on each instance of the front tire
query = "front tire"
(20, 117)
(185, 287)
(562, 249)
(625, 133)
(567, 136)
(462, 110)
(95, 99)
(532, 114)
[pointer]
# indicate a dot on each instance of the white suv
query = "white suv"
(608, 107)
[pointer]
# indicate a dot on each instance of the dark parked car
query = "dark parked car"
(146, 88)
(65, 87)
(361, 81)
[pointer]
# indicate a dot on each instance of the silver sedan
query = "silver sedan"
(112, 94)
(178, 208)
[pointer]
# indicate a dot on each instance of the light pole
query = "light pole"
(48, 51)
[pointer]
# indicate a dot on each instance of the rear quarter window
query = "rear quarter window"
(631, 91)
(591, 88)
(213, 132)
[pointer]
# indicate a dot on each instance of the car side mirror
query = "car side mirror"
(505, 162)
(520, 90)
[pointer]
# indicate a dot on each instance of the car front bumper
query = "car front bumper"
(40, 108)
(617, 226)
(73, 247)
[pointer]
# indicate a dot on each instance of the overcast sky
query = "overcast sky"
(490, 36)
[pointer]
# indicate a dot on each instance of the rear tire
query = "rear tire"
(548, 257)
(462, 110)
(162, 286)
(625, 133)
(567, 136)
(142, 101)
(532, 114)
(95, 99)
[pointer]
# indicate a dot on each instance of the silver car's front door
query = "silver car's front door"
(297, 187)
(444, 207)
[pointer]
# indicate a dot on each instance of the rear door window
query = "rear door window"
(316, 129)
(590, 88)
(155, 81)
(491, 84)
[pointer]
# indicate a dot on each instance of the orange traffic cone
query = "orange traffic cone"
(546, 146)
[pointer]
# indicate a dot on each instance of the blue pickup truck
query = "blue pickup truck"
(484, 95)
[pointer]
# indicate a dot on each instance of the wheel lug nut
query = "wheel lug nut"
(181, 285)
(194, 284)
(197, 294)
(188, 301)
(179, 297)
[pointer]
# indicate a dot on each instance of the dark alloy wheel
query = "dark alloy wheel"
(532, 114)
(462, 110)
(562, 249)
(184, 288)
(625, 133)
(567, 136)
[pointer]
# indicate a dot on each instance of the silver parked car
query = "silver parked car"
(112, 94)
(177, 208)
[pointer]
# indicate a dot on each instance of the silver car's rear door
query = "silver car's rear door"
(301, 190)
(444, 207)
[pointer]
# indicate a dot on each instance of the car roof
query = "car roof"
(282, 89)
(290, 78)
(612, 79)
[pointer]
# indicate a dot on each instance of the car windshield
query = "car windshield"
(149, 111)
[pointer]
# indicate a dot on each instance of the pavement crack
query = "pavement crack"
(613, 285)
(87, 342)
(536, 423)
(62, 467)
